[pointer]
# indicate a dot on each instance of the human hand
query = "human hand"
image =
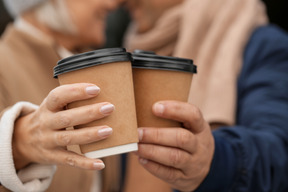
(40, 137)
(179, 156)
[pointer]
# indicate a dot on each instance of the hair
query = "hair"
(55, 15)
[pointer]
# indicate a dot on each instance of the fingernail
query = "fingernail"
(143, 161)
(105, 132)
(106, 109)
(92, 90)
(98, 165)
(140, 134)
(159, 108)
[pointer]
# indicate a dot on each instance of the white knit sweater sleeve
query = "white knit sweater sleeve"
(34, 178)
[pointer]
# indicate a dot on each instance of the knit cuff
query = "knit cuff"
(33, 178)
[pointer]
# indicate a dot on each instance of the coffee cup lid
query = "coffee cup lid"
(149, 60)
(91, 58)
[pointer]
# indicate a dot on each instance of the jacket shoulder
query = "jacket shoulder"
(266, 43)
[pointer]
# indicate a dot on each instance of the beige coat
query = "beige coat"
(26, 74)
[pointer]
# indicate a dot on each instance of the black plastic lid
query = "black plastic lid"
(92, 58)
(149, 60)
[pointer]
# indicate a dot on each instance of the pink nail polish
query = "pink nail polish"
(106, 109)
(92, 90)
(140, 134)
(98, 165)
(105, 132)
(159, 108)
(143, 161)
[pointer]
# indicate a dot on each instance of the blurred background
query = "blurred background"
(118, 21)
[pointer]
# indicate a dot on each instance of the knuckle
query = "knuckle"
(177, 107)
(157, 135)
(45, 156)
(43, 121)
(63, 121)
(70, 161)
(196, 114)
(150, 151)
(89, 138)
(173, 109)
(75, 90)
(91, 112)
(183, 138)
(175, 157)
(53, 100)
(43, 138)
(63, 139)
(53, 97)
(43, 124)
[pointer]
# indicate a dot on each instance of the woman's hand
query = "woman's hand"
(179, 156)
(40, 137)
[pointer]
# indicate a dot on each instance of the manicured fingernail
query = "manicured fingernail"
(98, 165)
(143, 161)
(106, 109)
(140, 134)
(105, 132)
(159, 108)
(92, 90)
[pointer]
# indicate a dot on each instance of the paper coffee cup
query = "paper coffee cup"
(156, 78)
(111, 70)
(159, 78)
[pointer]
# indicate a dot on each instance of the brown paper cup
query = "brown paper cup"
(156, 78)
(159, 78)
(110, 69)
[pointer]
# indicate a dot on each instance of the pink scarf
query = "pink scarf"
(213, 34)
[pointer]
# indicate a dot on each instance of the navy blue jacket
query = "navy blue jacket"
(253, 155)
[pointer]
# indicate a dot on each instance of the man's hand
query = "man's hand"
(179, 156)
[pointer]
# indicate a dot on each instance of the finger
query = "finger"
(63, 157)
(81, 136)
(172, 137)
(183, 112)
(79, 115)
(168, 174)
(171, 157)
(59, 97)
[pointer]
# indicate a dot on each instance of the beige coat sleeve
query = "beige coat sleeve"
(2, 110)
(33, 178)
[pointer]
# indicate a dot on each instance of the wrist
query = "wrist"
(19, 158)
